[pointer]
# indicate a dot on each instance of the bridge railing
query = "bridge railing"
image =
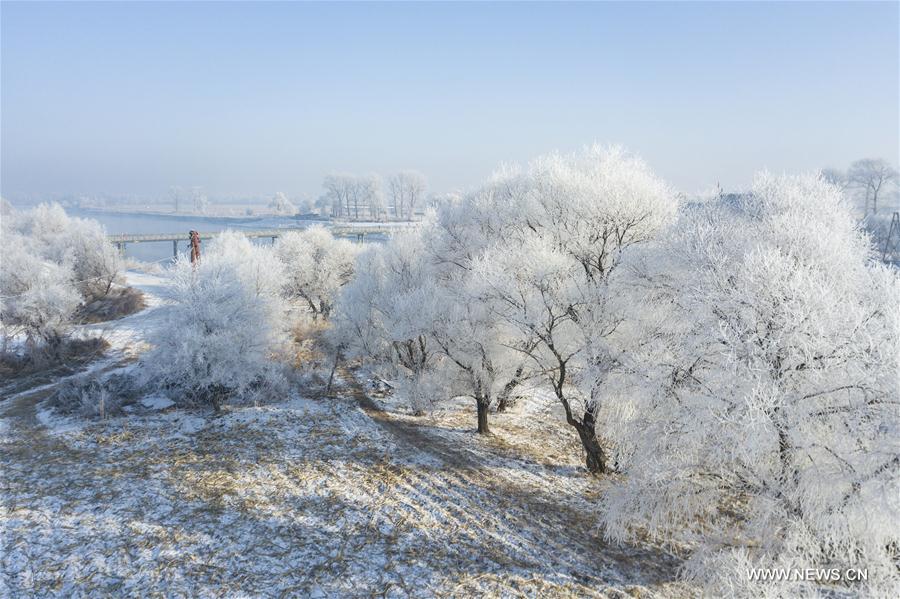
(359, 231)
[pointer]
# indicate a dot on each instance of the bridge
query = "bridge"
(354, 231)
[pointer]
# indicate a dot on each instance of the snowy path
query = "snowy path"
(306, 497)
(126, 336)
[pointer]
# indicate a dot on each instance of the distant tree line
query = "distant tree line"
(361, 197)
(870, 180)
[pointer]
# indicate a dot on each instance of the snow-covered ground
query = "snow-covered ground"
(309, 496)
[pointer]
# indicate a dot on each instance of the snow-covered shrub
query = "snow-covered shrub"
(223, 328)
(316, 266)
(765, 426)
(38, 298)
(257, 266)
(94, 396)
(80, 244)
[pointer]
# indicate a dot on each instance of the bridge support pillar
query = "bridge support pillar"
(120, 245)
(274, 237)
(360, 237)
(174, 248)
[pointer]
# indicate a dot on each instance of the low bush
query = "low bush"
(93, 396)
(70, 354)
(118, 303)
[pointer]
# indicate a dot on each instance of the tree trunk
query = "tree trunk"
(503, 399)
(595, 457)
(482, 404)
(334, 367)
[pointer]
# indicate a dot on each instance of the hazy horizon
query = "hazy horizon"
(247, 99)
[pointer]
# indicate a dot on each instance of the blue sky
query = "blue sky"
(258, 97)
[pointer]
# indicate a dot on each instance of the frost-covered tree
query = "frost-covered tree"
(280, 204)
(224, 323)
(412, 306)
(872, 178)
(329, 204)
(483, 358)
(764, 419)
(47, 228)
(407, 189)
(386, 312)
(339, 188)
(257, 266)
(562, 228)
(371, 189)
(357, 330)
(199, 200)
(436, 201)
(479, 351)
(358, 195)
(480, 354)
(51, 264)
(316, 266)
(836, 177)
(304, 204)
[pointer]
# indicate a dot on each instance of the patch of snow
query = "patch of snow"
(157, 402)
(57, 424)
(189, 425)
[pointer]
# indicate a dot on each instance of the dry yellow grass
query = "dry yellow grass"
(309, 497)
